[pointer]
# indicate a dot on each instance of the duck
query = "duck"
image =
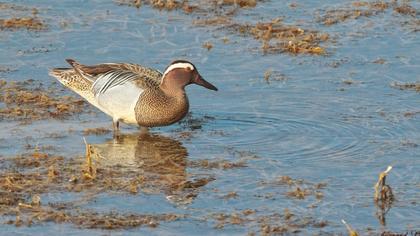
(134, 94)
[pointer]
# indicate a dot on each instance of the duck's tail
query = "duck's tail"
(72, 80)
(59, 73)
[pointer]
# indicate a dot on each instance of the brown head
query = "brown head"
(181, 73)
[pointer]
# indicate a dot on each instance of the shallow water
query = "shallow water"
(314, 125)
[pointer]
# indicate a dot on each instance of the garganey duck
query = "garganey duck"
(132, 93)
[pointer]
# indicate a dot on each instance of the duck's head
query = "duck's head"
(181, 73)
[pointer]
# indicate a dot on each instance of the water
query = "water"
(312, 125)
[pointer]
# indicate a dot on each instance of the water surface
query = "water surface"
(332, 119)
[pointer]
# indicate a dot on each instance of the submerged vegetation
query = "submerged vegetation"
(28, 23)
(410, 86)
(24, 178)
(29, 100)
(200, 6)
(28, 20)
(360, 9)
(149, 167)
(275, 36)
(350, 230)
(278, 37)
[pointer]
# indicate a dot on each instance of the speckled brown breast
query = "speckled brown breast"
(155, 108)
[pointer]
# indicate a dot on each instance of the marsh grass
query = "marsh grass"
(29, 101)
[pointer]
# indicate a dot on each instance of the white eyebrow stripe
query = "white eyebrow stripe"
(179, 65)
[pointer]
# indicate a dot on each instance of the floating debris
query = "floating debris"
(214, 21)
(96, 131)
(193, 123)
(208, 46)
(53, 173)
(299, 193)
(14, 7)
(383, 196)
(300, 188)
(348, 81)
(193, 184)
(214, 164)
(43, 49)
(351, 231)
(24, 21)
(411, 113)
(5, 69)
(200, 6)
(268, 224)
(355, 11)
(90, 171)
(360, 9)
(267, 75)
(270, 75)
(241, 3)
(379, 61)
(167, 5)
(412, 86)
(230, 195)
(406, 9)
(28, 215)
(30, 175)
(29, 23)
(36, 200)
(248, 212)
(383, 192)
(28, 101)
(277, 37)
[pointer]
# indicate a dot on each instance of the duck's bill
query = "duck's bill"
(202, 82)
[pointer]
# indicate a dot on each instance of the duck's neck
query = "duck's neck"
(173, 92)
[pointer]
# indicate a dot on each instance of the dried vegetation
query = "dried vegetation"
(200, 6)
(383, 197)
(270, 75)
(192, 123)
(410, 86)
(274, 36)
(25, 177)
(268, 224)
(28, 19)
(299, 189)
(350, 230)
(406, 9)
(96, 131)
(289, 222)
(29, 23)
(208, 45)
(214, 164)
(360, 9)
(28, 101)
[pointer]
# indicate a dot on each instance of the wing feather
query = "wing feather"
(112, 79)
(117, 92)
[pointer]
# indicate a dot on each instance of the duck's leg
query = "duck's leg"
(144, 130)
(116, 125)
(116, 128)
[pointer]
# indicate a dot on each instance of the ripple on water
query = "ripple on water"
(277, 136)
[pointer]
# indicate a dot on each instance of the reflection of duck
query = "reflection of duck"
(159, 161)
(133, 150)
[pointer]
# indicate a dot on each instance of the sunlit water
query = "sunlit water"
(310, 126)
